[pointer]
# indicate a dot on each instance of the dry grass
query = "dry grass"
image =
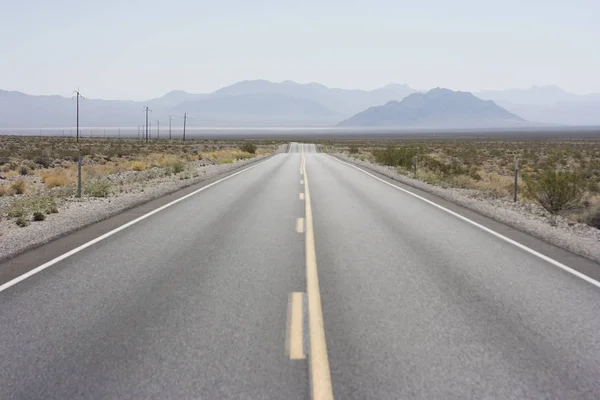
(6, 190)
(229, 154)
(19, 186)
(58, 177)
(11, 174)
(138, 166)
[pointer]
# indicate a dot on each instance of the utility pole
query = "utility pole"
(157, 130)
(516, 180)
(170, 119)
(78, 150)
(78, 96)
(138, 132)
(146, 109)
(184, 121)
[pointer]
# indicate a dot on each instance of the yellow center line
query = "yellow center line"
(300, 225)
(320, 375)
(295, 346)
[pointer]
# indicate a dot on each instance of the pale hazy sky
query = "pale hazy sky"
(133, 49)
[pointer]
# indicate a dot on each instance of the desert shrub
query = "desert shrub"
(19, 186)
(98, 188)
(396, 156)
(353, 149)
(177, 167)
(39, 216)
(248, 147)
(4, 160)
(556, 191)
(22, 222)
(474, 174)
(24, 170)
(43, 161)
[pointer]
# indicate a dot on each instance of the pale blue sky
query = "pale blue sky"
(133, 49)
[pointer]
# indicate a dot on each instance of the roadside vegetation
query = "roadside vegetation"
(38, 174)
(563, 176)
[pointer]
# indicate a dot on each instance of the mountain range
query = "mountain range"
(438, 108)
(263, 103)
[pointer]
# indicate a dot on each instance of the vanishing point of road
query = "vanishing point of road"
(300, 277)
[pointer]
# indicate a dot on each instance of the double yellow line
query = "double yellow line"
(320, 375)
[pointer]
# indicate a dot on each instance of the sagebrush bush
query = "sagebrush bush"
(177, 167)
(248, 147)
(39, 216)
(22, 222)
(396, 156)
(556, 191)
(43, 161)
(98, 188)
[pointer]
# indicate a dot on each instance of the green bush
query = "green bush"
(396, 156)
(39, 216)
(98, 188)
(248, 147)
(177, 167)
(556, 191)
(43, 161)
(22, 222)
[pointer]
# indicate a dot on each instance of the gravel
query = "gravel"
(576, 237)
(131, 189)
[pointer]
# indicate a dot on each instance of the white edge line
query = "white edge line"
(486, 229)
(116, 230)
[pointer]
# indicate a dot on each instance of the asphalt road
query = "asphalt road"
(192, 302)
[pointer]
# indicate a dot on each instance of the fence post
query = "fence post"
(415, 166)
(79, 176)
(516, 179)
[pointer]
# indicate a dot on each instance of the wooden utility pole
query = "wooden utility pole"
(170, 120)
(147, 132)
(78, 95)
(184, 121)
(157, 130)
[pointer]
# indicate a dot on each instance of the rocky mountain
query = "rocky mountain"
(436, 108)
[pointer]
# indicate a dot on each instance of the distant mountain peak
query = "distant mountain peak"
(440, 107)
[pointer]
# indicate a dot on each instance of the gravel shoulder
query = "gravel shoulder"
(575, 237)
(133, 189)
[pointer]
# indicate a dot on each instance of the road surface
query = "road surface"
(195, 301)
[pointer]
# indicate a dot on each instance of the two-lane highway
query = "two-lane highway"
(193, 302)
